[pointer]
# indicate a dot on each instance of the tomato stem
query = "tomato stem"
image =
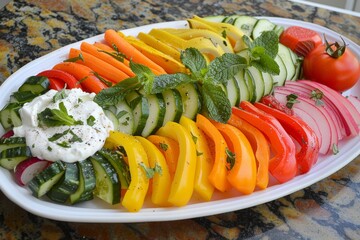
(338, 51)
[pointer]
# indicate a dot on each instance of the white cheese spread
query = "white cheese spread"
(69, 143)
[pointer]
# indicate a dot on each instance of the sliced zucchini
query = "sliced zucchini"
(244, 91)
(285, 55)
(107, 181)
(262, 25)
(246, 24)
(191, 100)
(117, 161)
(156, 114)
(259, 86)
(9, 116)
(67, 185)
(35, 84)
(124, 114)
(46, 179)
(87, 183)
(11, 157)
(140, 107)
(173, 106)
(233, 92)
(279, 79)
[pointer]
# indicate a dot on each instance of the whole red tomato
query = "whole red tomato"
(333, 65)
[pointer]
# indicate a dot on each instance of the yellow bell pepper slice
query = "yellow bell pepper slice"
(134, 197)
(161, 181)
(182, 186)
(204, 163)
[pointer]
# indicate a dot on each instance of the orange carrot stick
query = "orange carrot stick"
(83, 74)
(113, 37)
(99, 66)
(96, 52)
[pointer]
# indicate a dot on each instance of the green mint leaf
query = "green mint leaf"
(60, 95)
(269, 40)
(230, 158)
(194, 61)
(56, 117)
(117, 55)
(57, 136)
(144, 75)
(150, 172)
(169, 81)
(106, 82)
(222, 68)
(217, 105)
(113, 95)
(264, 63)
(291, 100)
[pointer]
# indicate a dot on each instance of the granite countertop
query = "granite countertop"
(329, 209)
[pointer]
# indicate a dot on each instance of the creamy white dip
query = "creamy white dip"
(76, 142)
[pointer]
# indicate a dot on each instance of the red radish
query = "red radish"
(8, 134)
(355, 101)
(27, 169)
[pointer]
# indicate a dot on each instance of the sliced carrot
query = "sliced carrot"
(99, 66)
(113, 37)
(218, 174)
(97, 52)
(83, 74)
(169, 148)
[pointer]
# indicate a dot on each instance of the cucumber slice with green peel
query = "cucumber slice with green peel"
(261, 26)
(218, 18)
(173, 106)
(11, 157)
(250, 83)
(285, 55)
(156, 111)
(9, 116)
(107, 181)
(45, 180)
(140, 107)
(268, 83)
(246, 24)
(279, 80)
(233, 92)
(259, 86)
(124, 114)
(110, 115)
(244, 91)
(12, 142)
(87, 183)
(117, 161)
(278, 30)
(23, 97)
(35, 84)
(67, 185)
(191, 99)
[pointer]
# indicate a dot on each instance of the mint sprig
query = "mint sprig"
(262, 52)
(57, 117)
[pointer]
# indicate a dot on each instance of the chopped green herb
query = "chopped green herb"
(57, 117)
(291, 100)
(60, 95)
(194, 138)
(230, 159)
(49, 148)
(163, 146)
(75, 59)
(317, 95)
(63, 144)
(91, 120)
(150, 172)
(198, 153)
(106, 82)
(335, 149)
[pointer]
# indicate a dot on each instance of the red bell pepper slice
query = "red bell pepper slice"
(283, 164)
(56, 75)
(301, 132)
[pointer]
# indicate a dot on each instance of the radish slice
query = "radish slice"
(355, 101)
(27, 169)
(8, 134)
(328, 134)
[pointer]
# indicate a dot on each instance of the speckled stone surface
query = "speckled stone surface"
(329, 209)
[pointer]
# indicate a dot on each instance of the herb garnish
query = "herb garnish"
(317, 96)
(230, 158)
(163, 146)
(150, 172)
(291, 100)
(90, 120)
(57, 117)
(75, 59)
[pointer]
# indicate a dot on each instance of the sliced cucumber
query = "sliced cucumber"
(250, 83)
(278, 30)
(217, 18)
(244, 91)
(268, 83)
(191, 100)
(285, 55)
(117, 161)
(87, 183)
(124, 114)
(233, 92)
(111, 115)
(262, 25)
(107, 181)
(12, 142)
(140, 107)
(23, 97)
(35, 84)
(259, 86)
(11, 157)
(46, 179)
(173, 105)
(67, 185)
(246, 24)
(279, 79)
(9, 116)
(156, 114)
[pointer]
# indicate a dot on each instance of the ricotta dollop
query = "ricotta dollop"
(67, 143)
